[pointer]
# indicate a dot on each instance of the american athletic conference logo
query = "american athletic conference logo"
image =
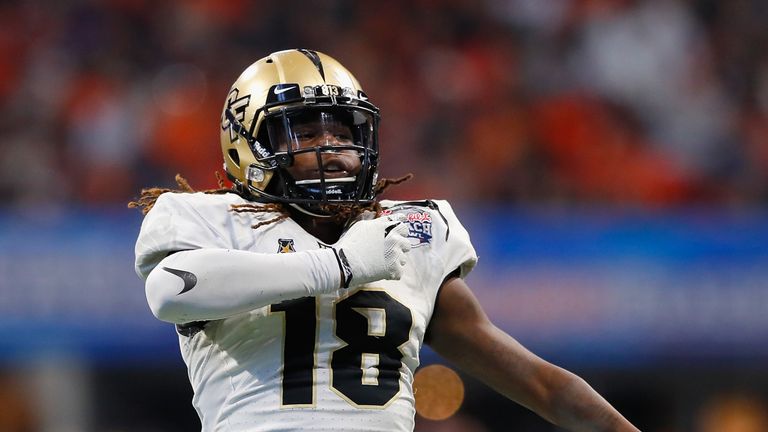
(285, 246)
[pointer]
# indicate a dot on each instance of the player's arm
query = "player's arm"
(209, 284)
(461, 332)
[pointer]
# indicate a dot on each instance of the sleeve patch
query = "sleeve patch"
(419, 224)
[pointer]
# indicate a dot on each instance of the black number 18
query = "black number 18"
(366, 371)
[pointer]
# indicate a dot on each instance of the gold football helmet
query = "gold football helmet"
(265, 118)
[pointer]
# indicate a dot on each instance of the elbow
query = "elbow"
(163, 309)
(546, 389)
(565, 394)
(162, 302)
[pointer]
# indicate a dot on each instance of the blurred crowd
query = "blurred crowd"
(650, 103)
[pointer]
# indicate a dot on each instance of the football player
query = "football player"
(301, 301)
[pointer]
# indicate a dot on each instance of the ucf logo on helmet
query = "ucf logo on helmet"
(238, 106)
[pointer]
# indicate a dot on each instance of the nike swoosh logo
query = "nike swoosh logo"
(190, 280)
(278, 91)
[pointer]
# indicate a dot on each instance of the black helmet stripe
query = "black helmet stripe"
(312, 55)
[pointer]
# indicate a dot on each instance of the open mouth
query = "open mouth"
(334, 171)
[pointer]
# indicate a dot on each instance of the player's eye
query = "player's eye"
(343, 137)
(305, 135)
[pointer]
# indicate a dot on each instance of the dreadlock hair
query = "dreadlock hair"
(149, 196)
(341, 212)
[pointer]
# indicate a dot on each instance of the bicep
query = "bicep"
(461, 332)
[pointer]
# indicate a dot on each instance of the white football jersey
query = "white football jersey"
(342, 361)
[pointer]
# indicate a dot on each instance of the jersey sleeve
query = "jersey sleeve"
(177, 222)
(457, 251)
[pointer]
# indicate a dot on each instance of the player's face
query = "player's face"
(325, 131)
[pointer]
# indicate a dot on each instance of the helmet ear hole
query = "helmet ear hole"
(234, 156)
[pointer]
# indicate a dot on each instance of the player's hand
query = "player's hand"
(372, 250)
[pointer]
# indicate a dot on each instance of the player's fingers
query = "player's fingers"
(404, 244)
(396, 217)
(395, 269)
(402, 229)
(391, 227)
(397, 229)
(399, 243)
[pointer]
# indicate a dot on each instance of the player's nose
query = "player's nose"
(329, 138)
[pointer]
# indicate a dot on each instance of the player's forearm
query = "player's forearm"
(575, 406)
(227, 282)
(555, 394)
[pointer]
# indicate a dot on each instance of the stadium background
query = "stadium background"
(609, 158)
